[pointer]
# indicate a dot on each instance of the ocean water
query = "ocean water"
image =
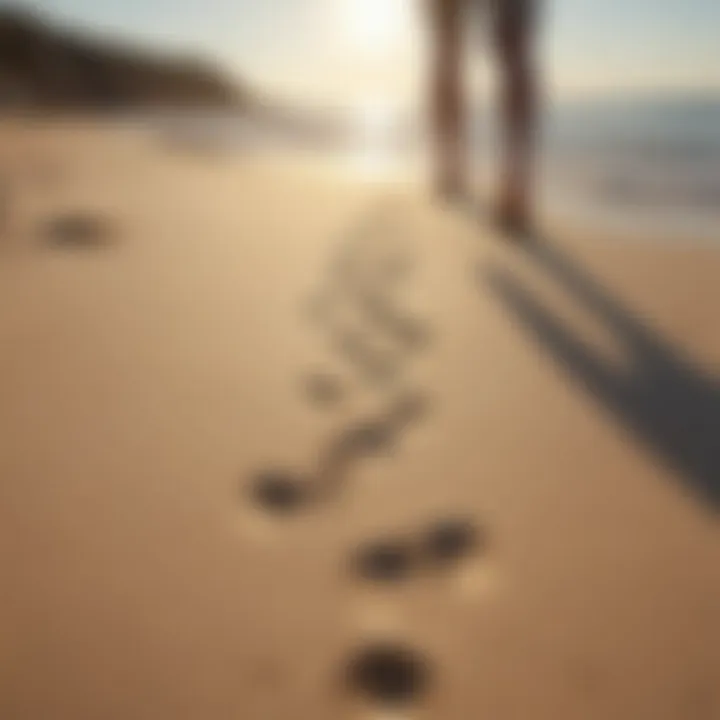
(640, 165)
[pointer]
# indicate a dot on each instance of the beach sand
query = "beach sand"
(176, 324)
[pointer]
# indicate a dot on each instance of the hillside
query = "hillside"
(43, 67)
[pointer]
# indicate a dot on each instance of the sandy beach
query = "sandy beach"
(177, 324)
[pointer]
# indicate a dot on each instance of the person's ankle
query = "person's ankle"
(450, 186)
(513, 217)
(514, 222)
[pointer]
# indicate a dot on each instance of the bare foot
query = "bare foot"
(514, 222)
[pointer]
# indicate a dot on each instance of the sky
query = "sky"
(364, 51)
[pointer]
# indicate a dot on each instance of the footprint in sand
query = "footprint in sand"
(78, 231)
(374, 365)
(384, 675)
(388, 676)
(280, 491)
(323, 389)
(387, 560)
(283, 492)
(442, 547)
(358, 308)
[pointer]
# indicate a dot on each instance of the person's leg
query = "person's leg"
(514, 29)
(447, 96)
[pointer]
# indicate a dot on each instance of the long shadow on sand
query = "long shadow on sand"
(670, 404)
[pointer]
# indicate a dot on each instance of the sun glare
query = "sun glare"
(376, 24)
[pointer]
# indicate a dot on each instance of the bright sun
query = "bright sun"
(376, 24)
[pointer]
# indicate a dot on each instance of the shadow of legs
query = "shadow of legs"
(668, 403)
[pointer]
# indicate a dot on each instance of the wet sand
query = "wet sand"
(177, 327)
